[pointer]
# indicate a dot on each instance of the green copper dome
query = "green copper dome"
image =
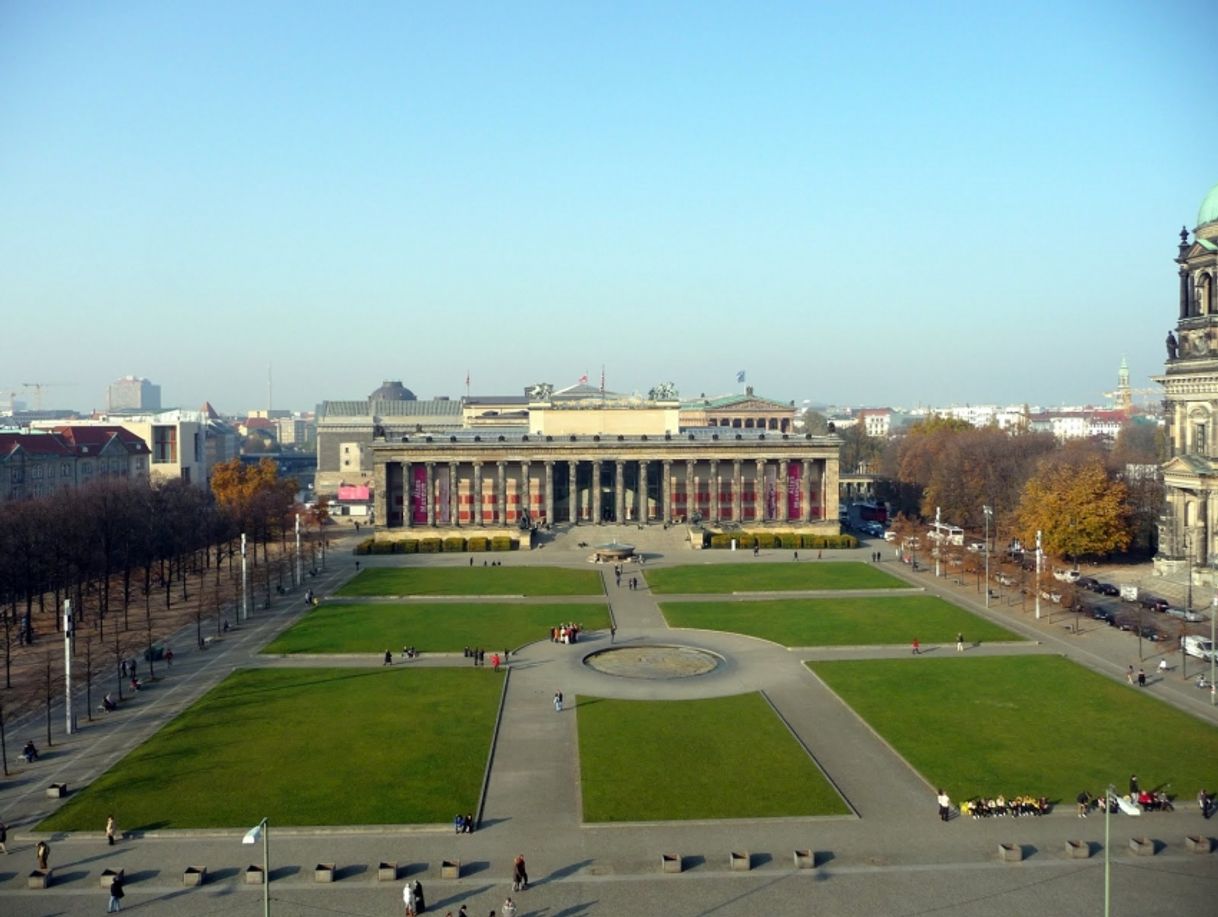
(1209, 208)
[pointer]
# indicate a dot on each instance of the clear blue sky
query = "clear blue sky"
(885, 203)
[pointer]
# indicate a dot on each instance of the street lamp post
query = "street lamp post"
(1107, 859)
(1037, 588)
(988, 511)
(938, 549)
(245, 589)
(260, 832)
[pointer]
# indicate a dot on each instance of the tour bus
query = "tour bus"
(944, 531)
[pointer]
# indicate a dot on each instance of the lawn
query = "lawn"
(761, 577)
(431, 627)
(845, 621)
(1034, 724)
(305, 747)
(473, 581)
(728, 757)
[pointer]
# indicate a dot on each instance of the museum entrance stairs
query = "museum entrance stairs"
(648, 540)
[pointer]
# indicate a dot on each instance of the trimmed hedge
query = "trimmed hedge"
(789, 540)
(454, 544)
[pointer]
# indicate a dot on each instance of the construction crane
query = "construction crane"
(39, 386)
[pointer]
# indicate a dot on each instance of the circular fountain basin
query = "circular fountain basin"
(613, 552)
(654, 662)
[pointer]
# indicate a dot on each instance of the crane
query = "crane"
(38, 387)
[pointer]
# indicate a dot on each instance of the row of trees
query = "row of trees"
(1085, 497)
(132, 557)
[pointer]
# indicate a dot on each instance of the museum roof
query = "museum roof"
(697, 434)
(725, 401)
(434, 408)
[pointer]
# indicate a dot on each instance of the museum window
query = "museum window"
(164, 445)
(1205, 295)
(1200, 445)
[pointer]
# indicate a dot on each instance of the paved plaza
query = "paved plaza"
(892, 856)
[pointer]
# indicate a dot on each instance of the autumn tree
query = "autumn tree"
(858, 449)
(1077, 509)
(815, 422)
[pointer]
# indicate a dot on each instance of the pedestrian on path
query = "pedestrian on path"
(612, 632)
(509, 908)
(42, 854)
(1129, 675)
(110, 829)
(945, 805)
(1141, 678)
(4, 837)
(558, 702)
(960, 643)
(917, 647)
(797, 555)
(1133, 787)
(116, 895)
(520, 875)
(408, 898)
(818, 555)
(388, 658)
(420, 903)
(495, 662)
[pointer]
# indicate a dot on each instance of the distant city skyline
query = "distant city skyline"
(885, 206)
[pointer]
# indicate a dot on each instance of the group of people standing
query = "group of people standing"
(565, 633)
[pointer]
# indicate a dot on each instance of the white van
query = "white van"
(1199, 647)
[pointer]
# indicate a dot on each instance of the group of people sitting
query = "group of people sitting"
(464, 824)
(1154, 802)
(30, 752)
(108, 704)
(1000, 806)
(565, 633)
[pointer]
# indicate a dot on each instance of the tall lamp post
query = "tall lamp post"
(261, 832)
(938, 541)
(988, 511)
(1108, 794)
(1037, 589)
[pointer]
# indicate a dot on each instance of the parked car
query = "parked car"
(1185, 614)
(890, 535)
(1052, 596)
(1104, 614)
(1005, 579)
(1107, 589)
(1066, 576)
(1199, 647)
(1087, 582)
(1152, 602)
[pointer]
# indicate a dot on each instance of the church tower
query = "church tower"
(1188, 535)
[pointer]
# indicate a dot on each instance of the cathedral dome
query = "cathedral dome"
(1209, 208)
(392, 391)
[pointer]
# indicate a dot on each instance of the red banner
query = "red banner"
(418, 494)
(795, 472)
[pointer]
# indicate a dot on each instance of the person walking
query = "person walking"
(917, 646)
(520, 875)
(116, 895)
(959, 642)
(42, 854)
(945, 805)
(4, 836)
(408, 898)
(1133, 787)
(558, 702)
(509, 908)
(388, 658)
(420, 903)
(612, 632)
(1129, 675)
(110, 829)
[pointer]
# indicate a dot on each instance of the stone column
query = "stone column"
(526, 493)
(640, 494)
(737, 489)
(431, 494)
(549, 495)
(475, 509)
(784, 508)
(454, 499)
(501, 493)
(691, 491)
(759, 493)
(619, 491)
(829, 482)
(573, 498)
(666, 490)
(714, 490)
(805, 492)
(596, 492)
(380, 504)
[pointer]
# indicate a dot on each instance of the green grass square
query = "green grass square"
(475, 580)
(726, 757)
(430, 627)
(845, 621)
(769, 577)
(1032, 724)
(305, 747)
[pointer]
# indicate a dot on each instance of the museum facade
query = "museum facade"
(586, 456)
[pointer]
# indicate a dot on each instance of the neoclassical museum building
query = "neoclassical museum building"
(581, 455)
(1188, 538)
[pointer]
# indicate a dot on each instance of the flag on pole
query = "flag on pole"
(583, 380)
(740, 376)
(602, 378)
(467, 378)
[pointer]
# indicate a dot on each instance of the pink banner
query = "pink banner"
(771, 491)
(418, 494)
(356, 493)
(795, 472)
